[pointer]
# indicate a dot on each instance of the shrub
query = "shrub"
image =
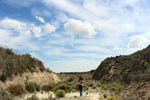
(37, 87)
(30, 87)
(65, 87)
(48, 87)
(60, 93)
(111, 98)
(5, 96)
(80, 78)
(16, 89)
(113, 86)
(9, 51)
(33, 97)
(3, 77)
(70, 79)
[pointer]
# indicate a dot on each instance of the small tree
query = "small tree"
(30, 87)
(3, 77)
(80, 78)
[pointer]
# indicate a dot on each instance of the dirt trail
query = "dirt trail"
(87, 95)
(75, 96)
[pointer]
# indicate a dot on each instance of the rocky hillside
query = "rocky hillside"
(137, 91)
(77, 77)
(129, 68)
(14, 64)
(18, 68)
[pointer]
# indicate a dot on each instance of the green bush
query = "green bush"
(48, 87)
(113, 86)
(30, 87)
(37, 87)
(60, 93)
(16, 89)
(3, 77)
(65, 87)
(5, 96)
(9, 51)
(70, 79)
(80, 78)
(111, 98)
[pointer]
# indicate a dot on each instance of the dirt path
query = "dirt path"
(75, 96)
(87, 95)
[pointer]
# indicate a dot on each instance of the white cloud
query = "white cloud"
(5, 36)
(40, 19)
(37, 31)
(42, 30)
(27, 28)
(79, 27)
(138, 42)
(48, 28)
(15, 25)
(12, 24)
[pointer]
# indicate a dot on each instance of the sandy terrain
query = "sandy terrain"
(37, 77)
(87, 95)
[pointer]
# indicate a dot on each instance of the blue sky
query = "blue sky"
(74, 35)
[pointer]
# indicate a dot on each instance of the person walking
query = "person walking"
(81, 88)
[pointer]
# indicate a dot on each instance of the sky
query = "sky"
(74, 35)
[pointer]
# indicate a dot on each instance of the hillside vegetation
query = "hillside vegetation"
(14, 64)
(126, 69)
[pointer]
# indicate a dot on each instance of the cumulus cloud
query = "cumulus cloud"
(138, 42)
(15, 25)
(37, 31)
(27, 28)
(79, 27)
(48, 28)
(42, 30)
(40, 19)
(12, 24)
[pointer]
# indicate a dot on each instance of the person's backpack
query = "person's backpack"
(80, 86)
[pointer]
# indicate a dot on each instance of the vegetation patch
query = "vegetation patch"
(16, 89)
(48, 87)
(60, 93)
(30, 87)
(116, 87)
(3, 77)
(111, 98)
(5, 96)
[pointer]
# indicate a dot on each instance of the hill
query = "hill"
(77, 77)
(136, 91)
(21, 68)
(126, 69)
(14, 64)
